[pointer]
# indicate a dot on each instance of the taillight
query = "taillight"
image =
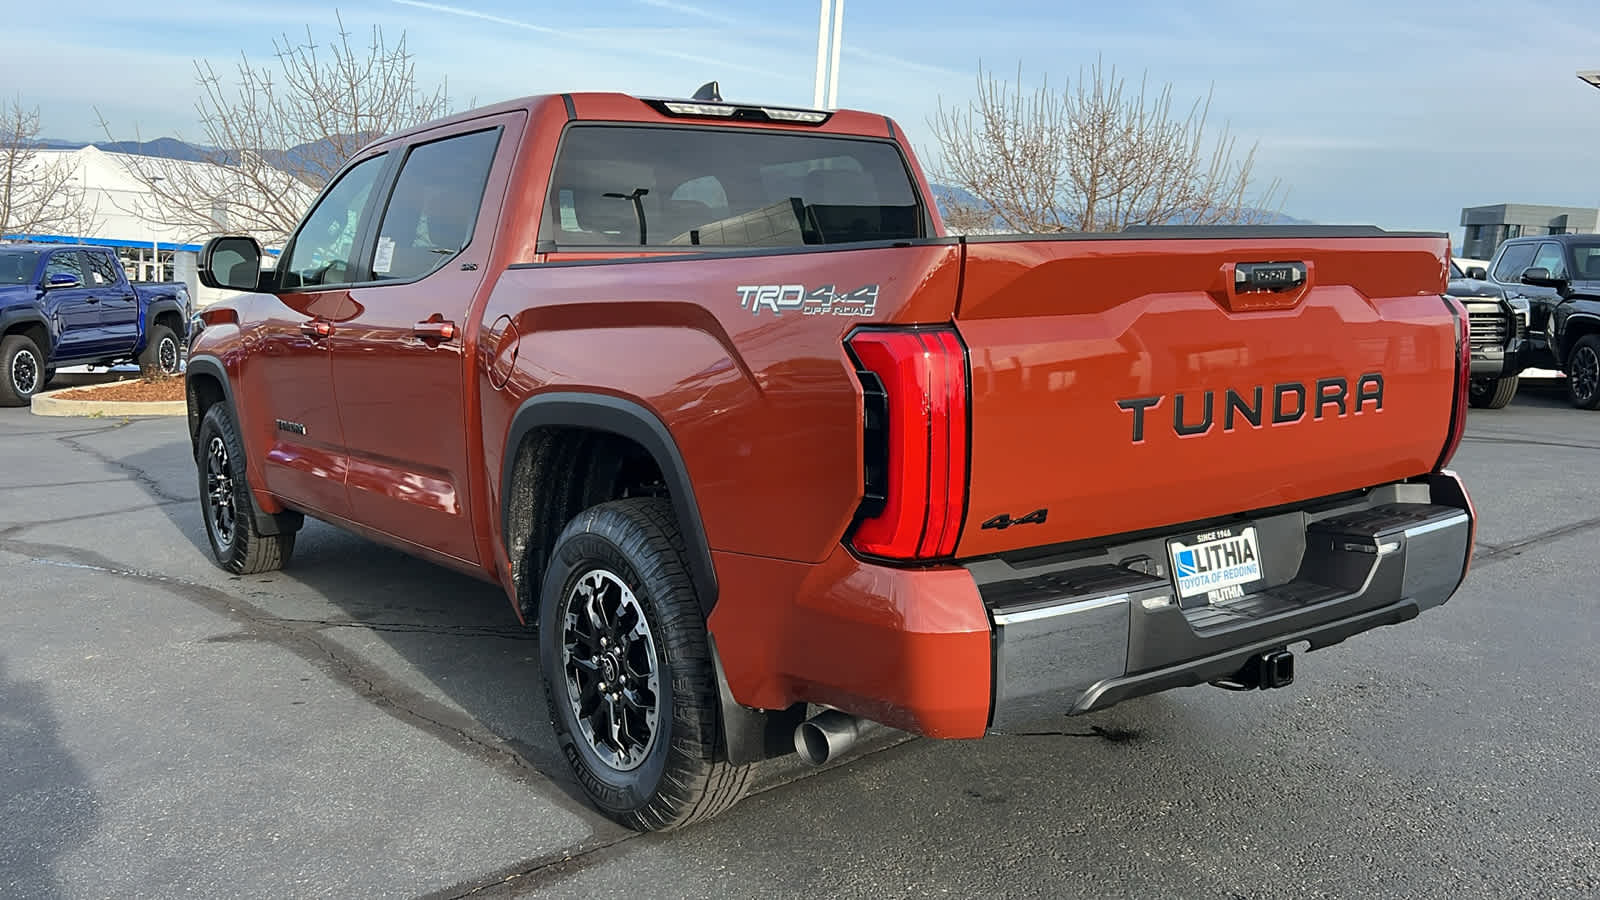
(915, 433)
(1458, 408)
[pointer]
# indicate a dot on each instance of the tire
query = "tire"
(629, 557)
(1492, 393)
(22, 370)
(1583, 373)
(226, 504)
(162, 352)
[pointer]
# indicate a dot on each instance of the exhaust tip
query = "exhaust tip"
(811, 743)
(826, 735)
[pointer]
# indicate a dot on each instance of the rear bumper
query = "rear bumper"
(958, 651)
(1084, 637)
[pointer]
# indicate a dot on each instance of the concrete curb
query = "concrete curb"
(49, 404)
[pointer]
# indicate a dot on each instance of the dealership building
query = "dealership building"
(1490, 226)
(116, 201)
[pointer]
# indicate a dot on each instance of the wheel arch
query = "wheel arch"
(33, 325)
(630, 421)
(1577, 326)
(159, 311)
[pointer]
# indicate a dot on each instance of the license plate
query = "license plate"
(1218, 565)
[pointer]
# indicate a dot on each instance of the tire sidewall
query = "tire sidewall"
(217, 423)
(1591, 345)
(612, 790)
(19, 347)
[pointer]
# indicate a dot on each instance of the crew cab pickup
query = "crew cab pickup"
(1554, 281)
(764, 454)
(74, 305)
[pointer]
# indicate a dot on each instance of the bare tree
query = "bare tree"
(38, 195)
(1094, 158)
(273, 136)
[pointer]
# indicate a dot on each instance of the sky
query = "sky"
(1389, 112)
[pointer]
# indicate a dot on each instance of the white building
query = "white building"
(118, 201)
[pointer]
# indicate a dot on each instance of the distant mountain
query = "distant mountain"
(315, 155)
(944, 194)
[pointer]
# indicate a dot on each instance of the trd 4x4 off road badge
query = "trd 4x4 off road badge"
(822, 301)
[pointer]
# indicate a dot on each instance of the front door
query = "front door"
(75, 310)
(289, 377)
(398, 361)
(1542, 301)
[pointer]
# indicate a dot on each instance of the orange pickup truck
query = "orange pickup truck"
(765, 454)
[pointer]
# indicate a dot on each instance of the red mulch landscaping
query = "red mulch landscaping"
(134, 389)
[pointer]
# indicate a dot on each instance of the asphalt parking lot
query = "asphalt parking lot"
(367, 725)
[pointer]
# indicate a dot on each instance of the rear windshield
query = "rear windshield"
(617, 185)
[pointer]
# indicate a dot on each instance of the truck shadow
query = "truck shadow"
(426, 644)
(47, 804)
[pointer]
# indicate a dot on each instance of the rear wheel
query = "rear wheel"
(22, 370)
(236, 544)
(627, 669)
(161, 353)
(1492, 393)
(1583, 373)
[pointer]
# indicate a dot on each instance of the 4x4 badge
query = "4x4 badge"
(822, 301)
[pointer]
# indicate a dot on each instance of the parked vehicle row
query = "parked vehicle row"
(708, 391)
(74, 305)
(1536, 305)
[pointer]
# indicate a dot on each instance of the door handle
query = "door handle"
(92, 300)
(316, 329)
(434, 330)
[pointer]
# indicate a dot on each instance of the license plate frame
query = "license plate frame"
(1215, 566)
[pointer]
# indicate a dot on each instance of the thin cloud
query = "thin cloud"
(596, 40)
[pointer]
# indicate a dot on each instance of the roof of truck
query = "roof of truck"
(616, 107)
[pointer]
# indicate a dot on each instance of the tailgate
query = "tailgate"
(1141, 382)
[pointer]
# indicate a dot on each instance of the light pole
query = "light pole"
(828, 64)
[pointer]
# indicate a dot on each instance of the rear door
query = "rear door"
(1124, 384)
(119, 308)
(399, 360)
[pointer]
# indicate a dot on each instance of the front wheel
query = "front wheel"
(22, 370)
(1492, 393)
(1583, 373)
(236, 544)
(628, 672)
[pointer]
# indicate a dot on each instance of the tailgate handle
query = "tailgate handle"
(1274, 276)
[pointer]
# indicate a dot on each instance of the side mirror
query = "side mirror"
(230, 263)
(62, 280)
(1477, 273)
(1539, 276)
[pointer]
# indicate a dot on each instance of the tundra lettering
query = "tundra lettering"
(1330, 392)
(748, 501)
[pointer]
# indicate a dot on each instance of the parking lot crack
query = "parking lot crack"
(1499, 552)
(303, 638)
(145, 480)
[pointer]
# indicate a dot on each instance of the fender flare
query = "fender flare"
(156, 308)
(11, 318)
(209, 366)
(627, 419)
(1566, 341)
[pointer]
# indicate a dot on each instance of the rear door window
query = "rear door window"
(434, 206)
(641, 186)
(102, 271)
